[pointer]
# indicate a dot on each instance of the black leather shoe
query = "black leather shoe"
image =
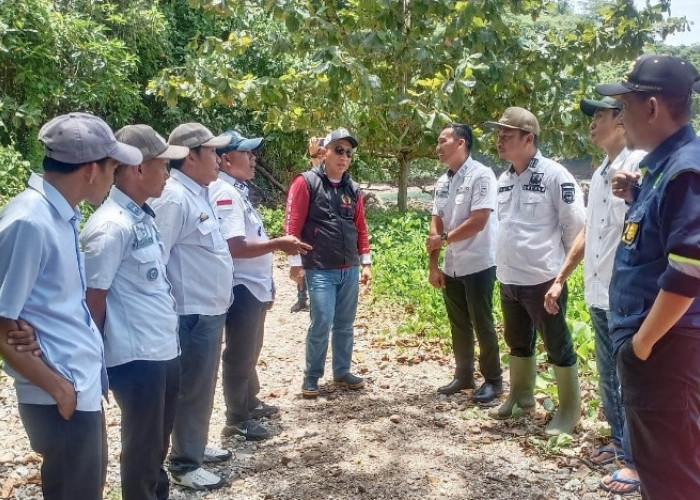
(455, 386)
(487, 392)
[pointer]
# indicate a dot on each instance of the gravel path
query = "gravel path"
(396, 439)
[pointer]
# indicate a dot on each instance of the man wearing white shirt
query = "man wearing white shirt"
(42, 283)
(605, 216)
(200, 270)
(540, 212)
(129, 298)
(253, 288)
(465, 198)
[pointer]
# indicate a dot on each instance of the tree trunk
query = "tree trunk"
(402, 194)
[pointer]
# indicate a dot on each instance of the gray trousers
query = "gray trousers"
(200, 343)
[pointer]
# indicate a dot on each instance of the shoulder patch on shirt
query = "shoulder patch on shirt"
(568, 192)
(483, 188)
(220, 203)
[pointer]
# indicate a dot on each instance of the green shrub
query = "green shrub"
(14, 173)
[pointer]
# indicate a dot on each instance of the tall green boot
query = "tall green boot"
(569, 412)
(522, 388)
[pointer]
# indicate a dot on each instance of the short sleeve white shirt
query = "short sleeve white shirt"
(605, 216)
(540, 213)
(238, 218)
(124, 255)
(197, 257)
(42, 281)
(472, 187)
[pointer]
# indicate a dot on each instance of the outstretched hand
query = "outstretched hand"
(291, 245)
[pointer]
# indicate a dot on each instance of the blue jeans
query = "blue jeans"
(609, 383)
(332, 304)
(200, 345)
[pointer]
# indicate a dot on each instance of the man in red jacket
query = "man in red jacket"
(325, 210)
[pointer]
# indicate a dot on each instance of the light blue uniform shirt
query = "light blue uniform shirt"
(42, 282)
(196, 254)
(124, 255)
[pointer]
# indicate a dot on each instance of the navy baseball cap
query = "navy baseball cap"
(239, 143)
(589, 106)
(654, 73)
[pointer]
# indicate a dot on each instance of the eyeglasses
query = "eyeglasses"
(340, 151)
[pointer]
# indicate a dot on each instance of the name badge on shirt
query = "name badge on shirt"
(143, 239)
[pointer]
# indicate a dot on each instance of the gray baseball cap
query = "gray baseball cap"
(78, 138)
(338, 134)
(150, 143)
(193, 135)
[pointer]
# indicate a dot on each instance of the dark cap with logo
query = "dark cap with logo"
(590, 106)
(654, 73)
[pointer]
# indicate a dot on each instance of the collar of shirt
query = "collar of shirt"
(188, 182)
(56, 199)
(655, 160)
(463, 169)
(531, 165)
(240, 186)
(124, 201)
(612, 166)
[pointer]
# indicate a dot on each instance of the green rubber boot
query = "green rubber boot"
(569, 412)
(522, 388)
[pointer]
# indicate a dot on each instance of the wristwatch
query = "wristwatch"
(443, 236)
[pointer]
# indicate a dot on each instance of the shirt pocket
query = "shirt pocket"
(149, 270)
(504, 199)
(210, 235)
(531, 204)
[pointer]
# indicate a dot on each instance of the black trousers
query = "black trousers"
(524, 312)
(469, 304)
(146, 392)
(245, 327)
(74, 451)
(662, 404)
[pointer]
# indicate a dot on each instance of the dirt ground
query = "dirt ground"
(395, 439)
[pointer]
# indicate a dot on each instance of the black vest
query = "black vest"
(330, 226)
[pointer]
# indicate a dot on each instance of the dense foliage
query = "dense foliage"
(393, 71)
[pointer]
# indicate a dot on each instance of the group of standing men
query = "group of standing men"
(160, 281)
(641, 236)
(175, 257)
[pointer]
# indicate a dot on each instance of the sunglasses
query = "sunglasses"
(340, 151)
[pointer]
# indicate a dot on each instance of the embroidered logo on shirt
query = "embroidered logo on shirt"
(152, 274)
(536, 178)
(503, 189)
(629, 233)
(568, 193)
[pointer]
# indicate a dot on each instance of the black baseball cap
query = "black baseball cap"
(654, 73)
(589, 106)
